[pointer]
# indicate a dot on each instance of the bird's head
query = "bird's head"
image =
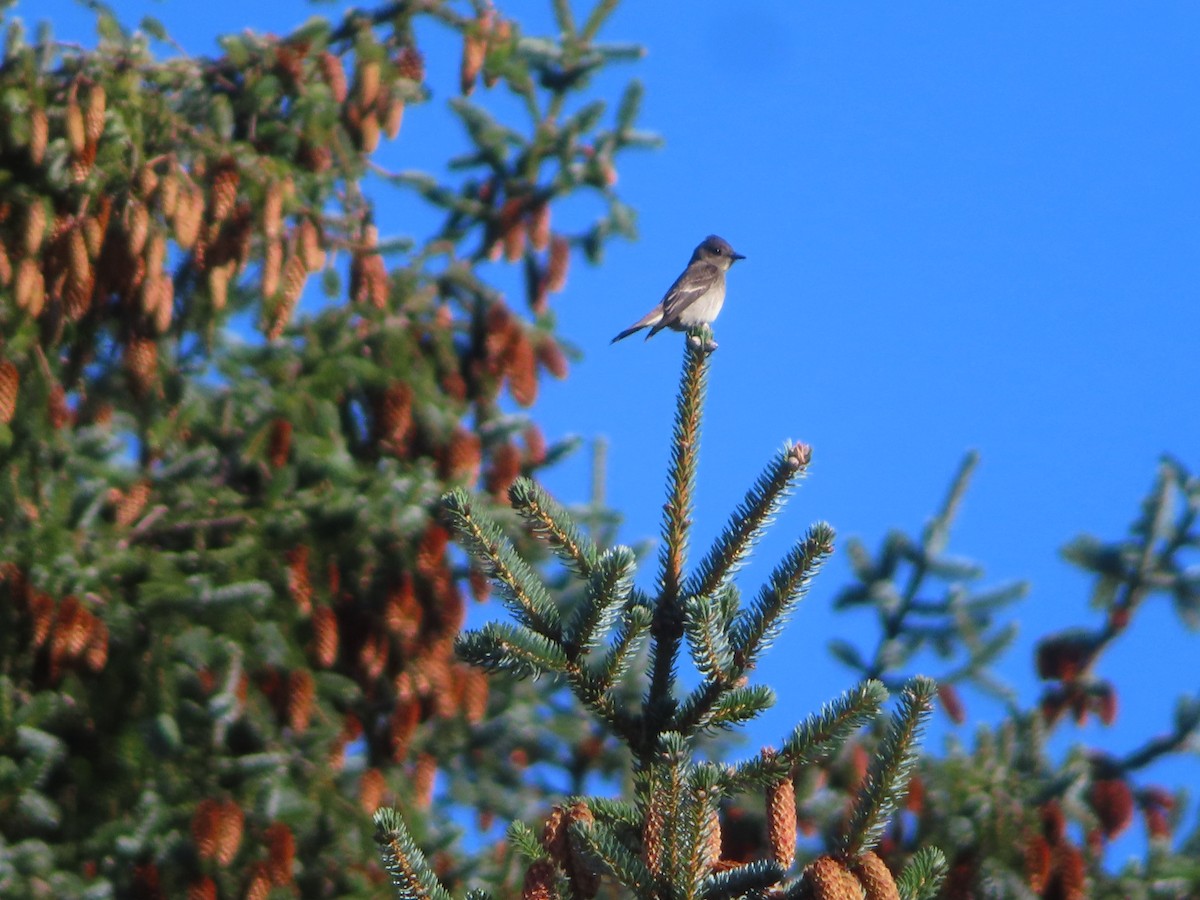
(717, 251)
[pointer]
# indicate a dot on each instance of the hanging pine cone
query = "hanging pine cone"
(402, 725)
(39, 134)
(366, 83)
(137, 226)
(333, 74)
(73, 122)
(223, 189)
(281, 853)
(560, 259)
(372, 790)
(271, 268)
(29, 288)
(57, 409)
(279, 443)
(130, 503)
(141, 363)
(35, 226)
(410, 64)
(298, 579)
(10, 384)
(541, 881)
(93, 236)
(539, 227)
(522, 371)
(781, 821)
(295, 274)
(301, 695)
(393, 417)
(168, 195)
(272, 209)
(424, 774)
(95, 655)
(393, 116)
(368, 132)
(875, 878)
(259, 885)
(308, 241)
(474, 52)
(189, 216)
(324, 647)
(827, 879)
(230, 825)
(145, 182)
(93, 125)
(77, 296)
(204, 828)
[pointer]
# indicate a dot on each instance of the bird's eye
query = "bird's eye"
(717, 250)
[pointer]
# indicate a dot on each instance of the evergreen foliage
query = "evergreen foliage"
(230, 607)
(227, 608)
(669, 843)
(1008, 811)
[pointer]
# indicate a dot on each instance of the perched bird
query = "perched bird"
(696, 296)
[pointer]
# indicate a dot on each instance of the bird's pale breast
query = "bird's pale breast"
(705, 308)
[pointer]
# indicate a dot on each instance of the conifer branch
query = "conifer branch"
(924, 874)
(822, 733)
(609, 584)
(631, 631)
(564, 17)
(887, 781)
(662, 797)
(749, 880)
(501, 647)
(620, 814)
(816, 738)
(602, 844)
(707, 639)
(523, 592)
(600, 12)
(1184, 733)
(737, 705)
(668, 615)
(553, 524)
(411, 875)
(937, 531)
(524, 841)
(896, 584)
(757, 626)
(696, 824)
(593, 693)
(754, 628)
(749, 520)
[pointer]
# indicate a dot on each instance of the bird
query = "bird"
(696, 296)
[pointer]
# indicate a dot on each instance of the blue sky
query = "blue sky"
(967, 226)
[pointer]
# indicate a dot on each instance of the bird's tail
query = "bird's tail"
(651, 318)
(627, 332)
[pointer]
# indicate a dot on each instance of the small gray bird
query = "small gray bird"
(696, 296)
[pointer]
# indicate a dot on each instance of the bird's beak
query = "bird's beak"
(736, 256)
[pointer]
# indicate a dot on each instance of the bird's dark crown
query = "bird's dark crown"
(716, 248)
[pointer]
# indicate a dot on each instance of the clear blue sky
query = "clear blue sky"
(968, 226)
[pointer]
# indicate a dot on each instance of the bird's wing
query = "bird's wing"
(689, 287)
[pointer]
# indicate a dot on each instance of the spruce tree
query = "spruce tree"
(227, 606)
(230, 602)
(662, 838)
